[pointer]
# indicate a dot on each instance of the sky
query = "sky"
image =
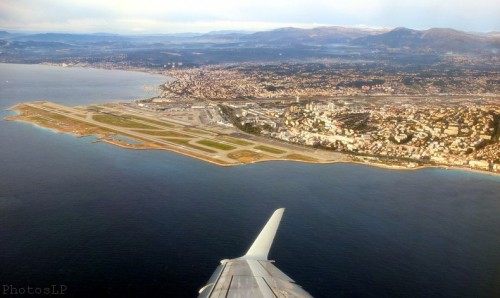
(166, 16)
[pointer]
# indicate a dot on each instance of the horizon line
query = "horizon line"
(228, 31)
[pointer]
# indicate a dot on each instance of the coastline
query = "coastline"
(179, 150)
(88, 66)
(218, 162)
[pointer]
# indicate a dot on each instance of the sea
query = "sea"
(110, 222)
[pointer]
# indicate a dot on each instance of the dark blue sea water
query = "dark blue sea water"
(107, 221)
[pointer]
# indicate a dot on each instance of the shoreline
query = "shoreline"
(132, 69)
(59, 65)
(215, 161)
(102, 138)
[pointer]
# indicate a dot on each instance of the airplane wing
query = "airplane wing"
(253, 275)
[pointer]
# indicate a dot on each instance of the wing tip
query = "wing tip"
(262, 244)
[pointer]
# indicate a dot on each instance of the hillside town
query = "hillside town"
(400, 116)
(453, 134)
(309, 80)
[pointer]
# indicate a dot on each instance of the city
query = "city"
(377, 117)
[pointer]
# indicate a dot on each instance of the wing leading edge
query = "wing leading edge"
(262, 244)
(253, 275)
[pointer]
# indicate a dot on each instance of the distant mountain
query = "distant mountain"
(224, 35)
(72, 38)
(223, 32)
(396, 38)
(104, 34)
(40, 44)
(331, 34)
(436, 39)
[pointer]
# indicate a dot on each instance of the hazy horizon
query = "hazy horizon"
(231, 31)
(196, 16)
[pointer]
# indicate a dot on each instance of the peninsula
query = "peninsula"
(129, 127)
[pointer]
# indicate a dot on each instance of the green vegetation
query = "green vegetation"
(120, 121)
(197, 131)
(235, 141)
(273, 88)
(51, 120)
(39, 120)
(133, 117)
(496, 125)
(230, 115)
(269, 149)
(163, 133)
(249, 128)
(59, 117)
(48, 116)
(216, 145)
(95, 108)
(187, 144)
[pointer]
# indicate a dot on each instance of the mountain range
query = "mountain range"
(319, 35)
(435, 40)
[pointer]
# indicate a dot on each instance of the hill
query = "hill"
(432, 40)
(319, 35)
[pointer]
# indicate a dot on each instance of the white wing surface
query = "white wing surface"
(252, 275)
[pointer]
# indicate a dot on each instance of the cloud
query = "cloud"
(163, 16)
